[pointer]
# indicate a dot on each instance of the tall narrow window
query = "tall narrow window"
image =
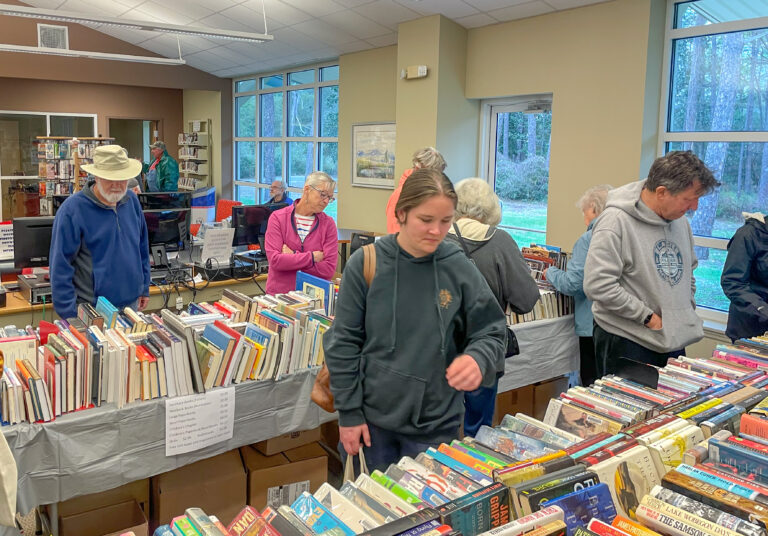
(518, 165)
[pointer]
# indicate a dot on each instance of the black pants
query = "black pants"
(588, 363)
(609, 346)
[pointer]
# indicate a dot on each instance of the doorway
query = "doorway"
(134, 135)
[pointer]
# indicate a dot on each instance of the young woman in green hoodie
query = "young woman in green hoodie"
(402, 353)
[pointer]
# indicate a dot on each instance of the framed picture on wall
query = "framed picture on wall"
(373, 155)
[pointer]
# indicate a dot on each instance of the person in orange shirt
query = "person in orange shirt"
(426, 158)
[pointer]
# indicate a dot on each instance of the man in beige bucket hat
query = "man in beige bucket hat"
(99, 245)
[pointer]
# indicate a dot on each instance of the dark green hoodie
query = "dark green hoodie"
(390, 345)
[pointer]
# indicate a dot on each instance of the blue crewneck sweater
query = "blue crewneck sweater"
(98, 250)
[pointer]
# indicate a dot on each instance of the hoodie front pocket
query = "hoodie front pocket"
(395, 397)
(680, 326)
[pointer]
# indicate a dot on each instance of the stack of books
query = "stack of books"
(551, 304)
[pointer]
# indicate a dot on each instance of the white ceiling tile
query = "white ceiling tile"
(293, 38)
(249, 17)
(488, 5)
(449, 8)
(387, 12)
(130, 3)
(569, 4)
(347, 48)
(476, 21)
(316, 8)
(94, 7)
(279, 11)
(353, 3)
(356, 25)
(323, 32)
(128, 35)
(209, 57)
(383, 40)
(530, 9)
(220, 22)
(45, 4)
(167, 42)
(160, 12)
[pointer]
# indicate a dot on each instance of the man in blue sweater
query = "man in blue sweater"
(99, 245)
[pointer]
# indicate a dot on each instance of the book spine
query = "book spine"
(744, 459)
(707, 512)
(720, 482)
(632, 528)
(682, 516)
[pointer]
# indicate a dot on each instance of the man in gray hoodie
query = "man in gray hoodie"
(639, 269)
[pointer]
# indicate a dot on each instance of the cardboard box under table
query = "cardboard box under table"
(111, 520)
(280, 478)
(288, 441)
(217, 485)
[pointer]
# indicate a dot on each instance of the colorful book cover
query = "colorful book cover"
(511, 443)
(416, 485)
(397, 489)
(472, 474)
(478, 512)
(462, 483)
(405, 523)
(318, 517)
(250, 523)
(582, 505)
(377, 511)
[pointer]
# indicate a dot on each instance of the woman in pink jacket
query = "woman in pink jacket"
(426, 158)
(302, 237)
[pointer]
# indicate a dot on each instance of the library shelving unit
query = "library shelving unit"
(59, 159)
(195, 155)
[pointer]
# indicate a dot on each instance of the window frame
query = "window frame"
(665, 109)
(490, 108)
(47, 116)
(315, 139)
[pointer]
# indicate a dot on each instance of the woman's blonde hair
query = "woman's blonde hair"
(421, 185)
(477, 201)
(594, 198)
(429, 158)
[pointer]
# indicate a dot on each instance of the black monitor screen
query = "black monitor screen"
(31, 241)
(250, 223)
(169, 228)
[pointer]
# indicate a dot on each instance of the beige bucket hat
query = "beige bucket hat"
(111, 162)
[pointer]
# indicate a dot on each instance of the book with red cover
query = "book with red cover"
(45, 329)
(238, 342)
(250, 523)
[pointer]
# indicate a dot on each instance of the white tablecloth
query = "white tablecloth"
(548, 348)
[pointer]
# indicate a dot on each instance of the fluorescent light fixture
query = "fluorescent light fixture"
(91, 55)
(82, 18)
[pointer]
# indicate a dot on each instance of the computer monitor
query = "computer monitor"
(250, 223)
(169, 228)
(31, 241)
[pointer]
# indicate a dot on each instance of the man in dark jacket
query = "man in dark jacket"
(99, 244)
(745, 279)
(163, 173)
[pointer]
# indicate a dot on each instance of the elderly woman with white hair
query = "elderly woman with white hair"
(302, 237)
(571, 281)
(426, 158)
(497, 256)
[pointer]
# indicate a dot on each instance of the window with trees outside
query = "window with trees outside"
(716, 107)
(286, 126)
(517, 160)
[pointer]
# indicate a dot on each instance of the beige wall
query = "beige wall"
(457, 116)
(201, 104)
(593, 60)
(366, 94)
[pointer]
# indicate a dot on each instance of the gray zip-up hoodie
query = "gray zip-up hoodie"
(639, 263)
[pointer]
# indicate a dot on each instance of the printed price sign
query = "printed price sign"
(197, 421)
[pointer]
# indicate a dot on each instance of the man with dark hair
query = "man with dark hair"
(639, 269)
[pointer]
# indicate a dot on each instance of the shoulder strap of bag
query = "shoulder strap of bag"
(369, 263)
(462, 242)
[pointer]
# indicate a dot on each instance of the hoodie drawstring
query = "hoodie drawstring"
(437, 303)
(393, 330)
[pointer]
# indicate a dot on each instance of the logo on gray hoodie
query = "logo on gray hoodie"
(669, 261)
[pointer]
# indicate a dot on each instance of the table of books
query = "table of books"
(101, 448)
(548, 348)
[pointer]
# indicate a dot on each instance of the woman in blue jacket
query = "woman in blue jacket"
(745, 279)
(571, 281)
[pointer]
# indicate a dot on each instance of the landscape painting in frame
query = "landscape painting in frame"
(373, 155)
